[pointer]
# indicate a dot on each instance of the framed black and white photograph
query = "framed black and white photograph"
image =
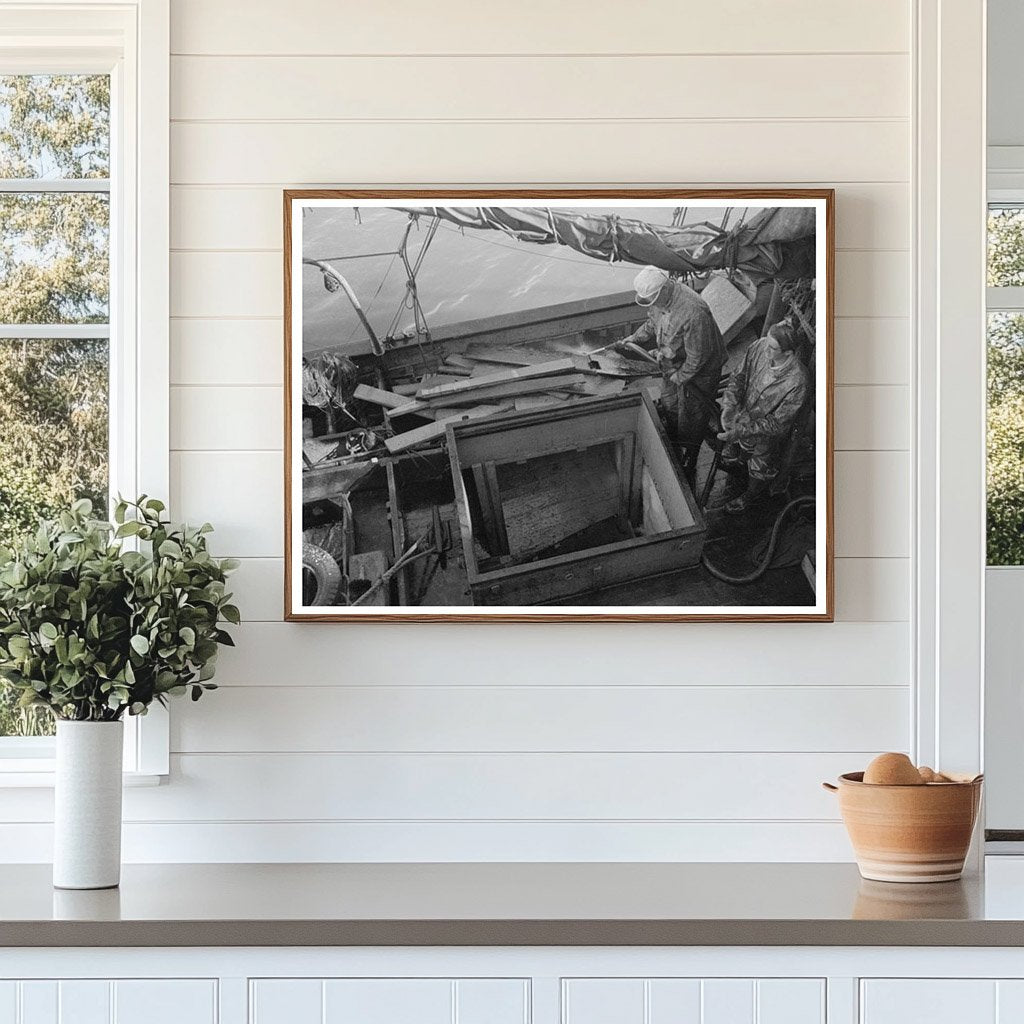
(558, 405)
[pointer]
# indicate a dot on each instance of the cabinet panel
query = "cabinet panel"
(84, 1002)
(1010, 1002)
(286, 1001)
(492, 1002)
(8, 1002)
(727, 1001)
(38, 1002)
(693, 1001)
(603, 1001)
(790, 1001)
(165, 1002)
(388, 1001)
(101, 1001)
(674, 1000)
(929, 1001)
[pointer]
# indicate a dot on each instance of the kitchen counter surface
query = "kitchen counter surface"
(511, 904)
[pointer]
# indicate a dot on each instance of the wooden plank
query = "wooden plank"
(397, 531)
(434, 431)
(628, 716)
(456, 361)
(488, 353)
(724, 152)
(546, 500)
(411, 409)
(494, 498)
(514, 388)
(548, 369)
(600, 388)
(535, 87)
(495, 535)
(628, 465)
(388, 399)
(582, 572)
(549, 431)
(430, 786)
(220, 418)
(527, 403)
(841, 656)
(675, 495)
(655, 517)
(409, 28)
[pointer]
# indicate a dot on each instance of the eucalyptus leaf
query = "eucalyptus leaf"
(93, 631)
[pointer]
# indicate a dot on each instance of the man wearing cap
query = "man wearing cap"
(760, 404)
(690, 352)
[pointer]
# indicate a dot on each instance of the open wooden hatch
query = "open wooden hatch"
(562, 502)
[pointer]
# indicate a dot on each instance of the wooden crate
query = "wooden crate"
(603, 461)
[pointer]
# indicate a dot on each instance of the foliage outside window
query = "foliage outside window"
(54, 309)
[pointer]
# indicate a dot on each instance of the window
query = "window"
(84, 125)
(54, 308)
(1005, 478)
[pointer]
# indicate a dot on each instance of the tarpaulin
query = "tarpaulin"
(777, 242)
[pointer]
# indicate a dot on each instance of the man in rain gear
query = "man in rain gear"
(759, 407)
(690, 352)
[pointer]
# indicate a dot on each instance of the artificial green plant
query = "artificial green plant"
(92, 628)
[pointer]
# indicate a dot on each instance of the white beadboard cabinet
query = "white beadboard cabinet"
(106, 1001)
(513, 985)
(389, 1001)
(942, 1001)
(693, 1001)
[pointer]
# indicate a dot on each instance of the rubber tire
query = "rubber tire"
(326, 572)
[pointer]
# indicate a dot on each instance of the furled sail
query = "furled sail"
(777, 242)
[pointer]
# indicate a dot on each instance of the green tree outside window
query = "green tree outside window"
(54, 270)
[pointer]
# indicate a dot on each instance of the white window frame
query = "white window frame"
(949, 442)
(130, 41)
(1005, 805)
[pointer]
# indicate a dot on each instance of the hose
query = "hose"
(769, 554)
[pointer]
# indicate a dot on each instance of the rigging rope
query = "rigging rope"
(411, 300)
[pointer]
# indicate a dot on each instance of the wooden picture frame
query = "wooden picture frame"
(515, 402)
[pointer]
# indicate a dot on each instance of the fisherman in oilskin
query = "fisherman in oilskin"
(761, 402)
(690, 353)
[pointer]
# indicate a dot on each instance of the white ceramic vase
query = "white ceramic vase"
(87, 807)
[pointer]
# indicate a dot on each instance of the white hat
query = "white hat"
(648, 284)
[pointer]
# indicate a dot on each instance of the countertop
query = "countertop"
(562, 904)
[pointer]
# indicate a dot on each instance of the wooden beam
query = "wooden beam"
(480, 350)
(526, 403)
(397, 531)
(460, 361)
(548, 369)
(412, 409)
(513, 388)
(388, 399)
(434, 431)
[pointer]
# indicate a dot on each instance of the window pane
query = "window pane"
(54, 257)
(53, 449)
(1005, 439)
(54, 126)
(1005, 246)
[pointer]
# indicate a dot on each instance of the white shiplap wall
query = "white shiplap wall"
(679, 741)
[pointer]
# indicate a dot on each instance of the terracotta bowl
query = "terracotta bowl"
(909, 833)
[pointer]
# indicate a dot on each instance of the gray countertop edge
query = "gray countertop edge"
(53, 934)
